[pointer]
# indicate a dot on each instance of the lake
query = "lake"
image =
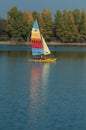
(42, 96)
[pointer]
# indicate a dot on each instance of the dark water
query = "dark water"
(43, 96)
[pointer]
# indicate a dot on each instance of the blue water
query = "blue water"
(54, 48)
(43, 96)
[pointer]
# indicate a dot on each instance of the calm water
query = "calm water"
(43, 96)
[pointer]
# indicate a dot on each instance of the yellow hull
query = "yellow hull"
(46, 60)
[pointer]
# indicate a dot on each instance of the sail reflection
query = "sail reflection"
(45, 73)
(38, 88)
(35, 82)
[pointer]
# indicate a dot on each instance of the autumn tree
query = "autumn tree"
(29, 18)
(40, 21)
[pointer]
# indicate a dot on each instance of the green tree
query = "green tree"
(83, 27)
(70, 32)
(65, 28)
(3, 30)
(17, 24)
(35, 15)
(59, 26)
(80, 21)
(48, 24)
(38, 16)
(77, 18)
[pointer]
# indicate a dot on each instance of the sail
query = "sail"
(46, 49)
(36, 41)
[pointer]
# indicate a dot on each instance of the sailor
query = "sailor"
(41, 57)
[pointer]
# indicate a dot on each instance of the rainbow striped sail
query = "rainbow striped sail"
(39, 46)
(36, 40)
(40, 50)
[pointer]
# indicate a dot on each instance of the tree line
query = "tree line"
(66, 26)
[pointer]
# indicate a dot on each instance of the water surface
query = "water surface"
(43, 96)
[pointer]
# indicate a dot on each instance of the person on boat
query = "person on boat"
(41, 57)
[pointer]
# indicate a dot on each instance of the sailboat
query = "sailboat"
(40, 50)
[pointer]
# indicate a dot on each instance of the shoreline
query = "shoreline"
(49, 43)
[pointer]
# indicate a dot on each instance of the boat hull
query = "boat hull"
(46, 60)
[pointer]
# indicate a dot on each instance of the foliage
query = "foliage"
(48, 24)
(82, 32)
(17, 24)
(38, 16)
(58, 25)
(3, 30)
(29, 19)
(67, 26)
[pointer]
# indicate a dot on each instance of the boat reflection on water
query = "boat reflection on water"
(38, 88)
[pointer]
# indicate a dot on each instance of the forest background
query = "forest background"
(64, 27)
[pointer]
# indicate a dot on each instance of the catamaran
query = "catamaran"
(40, 50)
